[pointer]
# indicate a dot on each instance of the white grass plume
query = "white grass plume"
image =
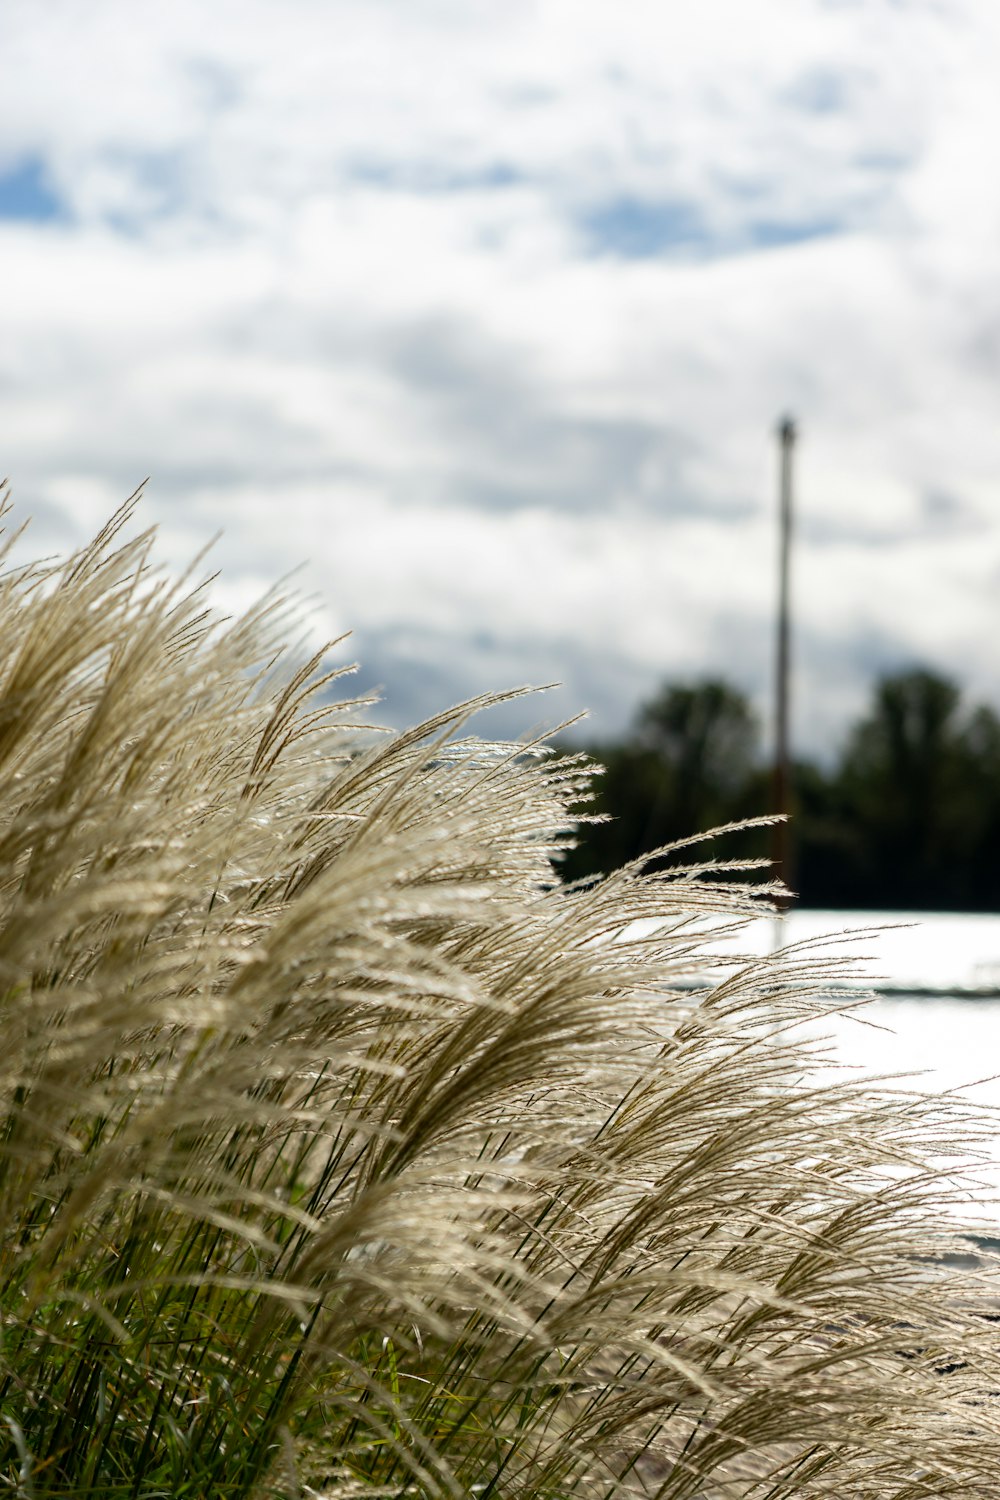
(342, 1146)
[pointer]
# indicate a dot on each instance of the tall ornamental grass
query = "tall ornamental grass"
(347, 1152)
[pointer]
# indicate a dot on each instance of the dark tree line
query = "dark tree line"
(907, 818)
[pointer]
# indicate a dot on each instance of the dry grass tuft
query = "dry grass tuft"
(343, 1147)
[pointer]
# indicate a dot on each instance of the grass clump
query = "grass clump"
(345, 1151)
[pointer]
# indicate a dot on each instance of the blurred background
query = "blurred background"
(486, 314)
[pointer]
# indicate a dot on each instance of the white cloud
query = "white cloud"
(488, 312)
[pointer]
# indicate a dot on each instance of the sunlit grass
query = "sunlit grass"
(346, 1151)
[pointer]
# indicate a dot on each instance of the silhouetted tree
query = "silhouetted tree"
(686, 767)
(706, 734)
(917, 777)
(908, 817)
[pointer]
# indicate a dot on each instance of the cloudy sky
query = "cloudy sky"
(486, 312)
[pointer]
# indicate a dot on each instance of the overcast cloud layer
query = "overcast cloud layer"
(487, 312)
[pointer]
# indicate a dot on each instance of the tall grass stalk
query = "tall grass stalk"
(346, 1151)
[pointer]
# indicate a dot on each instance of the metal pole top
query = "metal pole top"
(787, 431)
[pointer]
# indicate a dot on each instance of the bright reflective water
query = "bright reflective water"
(945, 1043)
(948, 1036)
(936, 1015)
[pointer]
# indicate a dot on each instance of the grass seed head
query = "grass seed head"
(342, 1146)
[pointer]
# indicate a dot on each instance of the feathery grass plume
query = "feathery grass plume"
(345, 1151)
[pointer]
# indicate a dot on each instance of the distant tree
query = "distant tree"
(918, 786)
(981, 803)
(828, 839)
(909, 737)
(908, 817)
(705, 733)
(686, 766)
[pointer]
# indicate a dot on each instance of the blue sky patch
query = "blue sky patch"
(768, 234)
(26, 196)
(428, 177)
(821, 91)
(636, 230)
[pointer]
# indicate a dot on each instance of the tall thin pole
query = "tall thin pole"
(781, 846)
